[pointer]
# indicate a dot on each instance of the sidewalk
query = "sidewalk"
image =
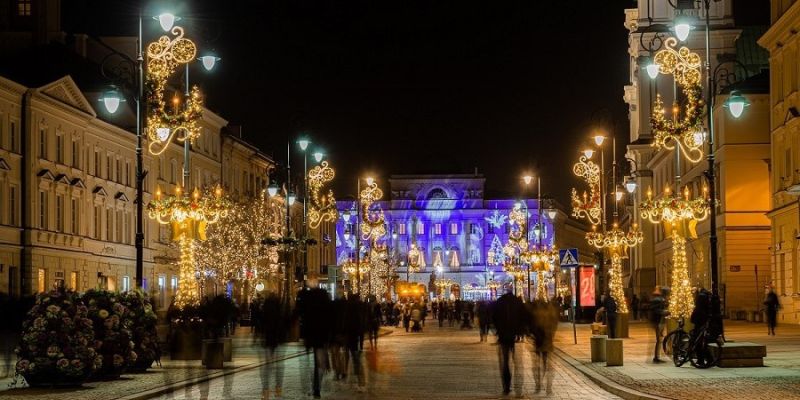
(780, 378)
(246, 355)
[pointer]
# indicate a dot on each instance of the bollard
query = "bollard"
(614, 353)
(598, 347)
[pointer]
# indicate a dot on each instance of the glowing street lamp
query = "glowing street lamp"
(652, 70)
(599, 139)
(527, 179)
(630, 185)
(272, 189)
(111, 100)
(682, 25)
(167, 21)
(209, 61)
(736, 104)
(292, 198)
(303, 144)
(318, 155)
(588, 153)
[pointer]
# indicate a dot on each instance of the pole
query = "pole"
(711, 175)
(603, 201)
(139, 239)
(358, 236)
(186, 143)
(287, 278)
(305, 214)
(527, 224)
(574, 277)
(539, 222)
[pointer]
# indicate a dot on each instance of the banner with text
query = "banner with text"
(587, 286)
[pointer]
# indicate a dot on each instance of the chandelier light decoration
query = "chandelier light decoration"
(617, 242)
(188, 217)
(589, 206)
(373, 226)
(679, 216)
(686, 130)
(163, 58)
(323, 206)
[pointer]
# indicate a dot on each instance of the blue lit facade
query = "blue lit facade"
(451, 223)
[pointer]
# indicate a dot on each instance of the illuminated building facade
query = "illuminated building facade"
(455, 229)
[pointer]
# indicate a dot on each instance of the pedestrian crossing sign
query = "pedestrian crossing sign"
(568, 257)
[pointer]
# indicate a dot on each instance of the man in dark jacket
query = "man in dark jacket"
(611, 315)
(772, 305)
(314, 309)
(508, 315)
(658, 307)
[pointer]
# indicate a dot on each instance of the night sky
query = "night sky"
(407, 86)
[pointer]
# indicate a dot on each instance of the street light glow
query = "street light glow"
(303, 144)
(292, 198)
(682, 27)
(630, 185)
(209, 61)
(599, 139)
(167, 21)
(588, 153)
(736, 104)
(272, 189)
(318, 156)
(111, 100)
(162, 133)
(652, 70)
(527, 179)
(370, 180)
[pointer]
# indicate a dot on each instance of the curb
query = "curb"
(193, 381)
(606, 383)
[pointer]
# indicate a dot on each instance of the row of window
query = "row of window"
(117, 222)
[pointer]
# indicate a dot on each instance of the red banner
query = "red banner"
(587, 286)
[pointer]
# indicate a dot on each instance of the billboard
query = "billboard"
(587, 286)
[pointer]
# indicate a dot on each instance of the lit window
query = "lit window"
(437, 229)
(453, 228)
(24, 8)
(42, 281)
(420, 228)
(126, 283)
(401, 229)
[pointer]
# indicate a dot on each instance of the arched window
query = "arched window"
(437, 193)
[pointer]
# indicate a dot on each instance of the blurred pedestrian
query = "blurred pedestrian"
(544, 322)
(507, 314)
(314, 310)
(353, 328)
(272, 316)
(483, 319)
(772, 305)
(658, 309)
(635, 307)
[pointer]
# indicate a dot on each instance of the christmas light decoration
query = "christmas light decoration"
(617, 242)
(590, 206)
(413, 259)
(188, 216)
(680, 216)
(163, 58)
(373, 226)
(681, 300)
(322, 207)
(683, 131)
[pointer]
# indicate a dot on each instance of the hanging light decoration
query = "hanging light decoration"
(589, 206)
(322, 208)
(679, 130)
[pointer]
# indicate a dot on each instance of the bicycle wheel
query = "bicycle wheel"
(680, 348)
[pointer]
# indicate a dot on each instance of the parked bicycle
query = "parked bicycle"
(693, 346)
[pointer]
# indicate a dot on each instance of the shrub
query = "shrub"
(145, 338)
(112, 330)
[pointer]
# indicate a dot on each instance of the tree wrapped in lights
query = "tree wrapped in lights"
(617, 242)
(234, 247)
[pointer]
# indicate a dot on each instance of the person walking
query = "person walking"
(314, 309)
(483, 319)
(772, 305)
(442, 313)
(508, 313)
(658, 307)
(544, 322)
(635, 307)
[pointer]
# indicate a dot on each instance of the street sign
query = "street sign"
(568, 257)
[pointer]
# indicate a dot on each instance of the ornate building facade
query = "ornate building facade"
(784, 49)
(741, 151)
(456, 230)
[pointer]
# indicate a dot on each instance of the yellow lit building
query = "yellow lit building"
(742, 162)
(782, 43)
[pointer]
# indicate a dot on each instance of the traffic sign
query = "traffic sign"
(568, 257)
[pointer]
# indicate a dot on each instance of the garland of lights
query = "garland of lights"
(673, 209)
(322, 207)
(188, 293)
(590, 206)
(163, 58)
(686, 132)
(541, 286)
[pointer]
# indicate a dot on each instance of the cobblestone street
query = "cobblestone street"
(451, 363)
